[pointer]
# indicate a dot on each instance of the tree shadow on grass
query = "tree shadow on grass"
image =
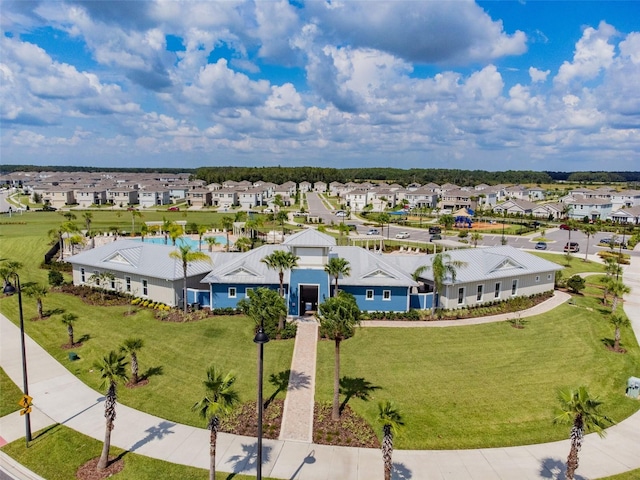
(150, 372)
(84, 338)
(286, 380)
(53, 311)
(356, 387)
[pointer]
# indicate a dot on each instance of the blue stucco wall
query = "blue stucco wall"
(220, 294)
(307, 277)
(398, 302)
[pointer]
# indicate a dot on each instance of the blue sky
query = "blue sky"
(502, 85)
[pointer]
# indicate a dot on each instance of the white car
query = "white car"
(403, 235)
(373, 231)
(341, 213)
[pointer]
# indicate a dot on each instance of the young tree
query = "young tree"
(266, 305)
(144, 231)
(69, 319)
(218, 401)
(187, 256)
(589, 230)
(132, 346)
(617, 290)
(112, 370)
(475, 238)
(618, 321)
(448, 221)
(88, 216)
(338, 318)
(391, 420)
(201, 229)
(576, 283)
(243, 244)
(335, 267)
(134, 213)
(227, 225)
(211, 242)
(101, 280)
(442, 268)
(37, 291)
(582, 412)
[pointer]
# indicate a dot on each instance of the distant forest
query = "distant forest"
(280, 175)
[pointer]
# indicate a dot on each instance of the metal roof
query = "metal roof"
(146, 259)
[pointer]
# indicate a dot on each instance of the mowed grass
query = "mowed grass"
(9, 395)
(488, 385)
(577, 265)
(176, 355)
(57, 452)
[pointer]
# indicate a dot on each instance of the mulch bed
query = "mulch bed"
(619, 350)
(245, 420)
(66, 346)
(88, 470)
(351, 430)
(141, 383)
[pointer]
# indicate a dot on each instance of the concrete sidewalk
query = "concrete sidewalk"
(60, 397)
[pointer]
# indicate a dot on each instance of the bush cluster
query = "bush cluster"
(379, 315)
(142, 302)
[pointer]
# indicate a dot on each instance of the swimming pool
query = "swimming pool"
(193, 243)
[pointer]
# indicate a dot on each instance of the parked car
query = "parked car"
(572, 247)
(564, 226)
(373, 231)
(434, 230)
(403, 235)
(541, 246)
(435, 237)
(174, 209)
(341, 213)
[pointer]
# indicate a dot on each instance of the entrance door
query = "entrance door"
(308, 298)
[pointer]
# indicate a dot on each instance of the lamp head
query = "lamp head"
(8, 288)
(261, 337)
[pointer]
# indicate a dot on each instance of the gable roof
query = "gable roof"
(310, 237)
(146, 259)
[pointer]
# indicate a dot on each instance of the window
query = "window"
(82, 279)
(549, 276)
(496, 293)
(514, 286)
(145, 287)
(537, 278)
(479, 293)
(127, 281)
(113, 284)
(369, 295)
(460, 295)
(386, 295)
(232, 292)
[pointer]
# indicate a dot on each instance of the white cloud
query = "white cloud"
(593, 54)
(538, 75)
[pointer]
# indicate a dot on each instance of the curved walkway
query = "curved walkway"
(59, 397)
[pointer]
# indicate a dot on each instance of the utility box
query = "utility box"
(633, 387)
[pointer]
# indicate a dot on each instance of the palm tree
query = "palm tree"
(37, 291)
(112, 369)
(219, 400)
(588, 230)
(175, 232)
(281, 261)
(68, 228)
(166, 226)
(618, 321)
(69, 319)
(186, 256)
(448, 221)
(442, 267)
(144, 231)
(227, 225)
(338, 318)
(582, 412)
(134, 213)
(475, 238)
(211, 242)
(617, 290)
(281, 218)
(243, 244)
(391, 420)
(88, 216)
(132, 346)
(335, 267)
(202, 229)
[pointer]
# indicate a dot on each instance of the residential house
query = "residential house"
(320, 187)
(629, 215)
(152, 196)
(625, 198)
(122, 196)
(199, 197)
(57, 197)
(224, 198)
(593, 208)
(516, 207)
(305, 187)
(87, 197)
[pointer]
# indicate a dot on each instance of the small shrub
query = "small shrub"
(55, 278)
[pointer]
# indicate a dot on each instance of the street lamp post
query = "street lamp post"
(261, 338)
(10, 290)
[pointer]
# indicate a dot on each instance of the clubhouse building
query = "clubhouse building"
(379, 282)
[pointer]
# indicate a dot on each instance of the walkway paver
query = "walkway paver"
(61, 397)
(297, 416)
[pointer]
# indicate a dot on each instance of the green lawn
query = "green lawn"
(487, 385)
(632, 475)
(9, 395)
(461, 387)
(577, 264)
(56, 453)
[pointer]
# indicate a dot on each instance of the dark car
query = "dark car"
(572, 247)
(435, 237)
(541, 246)
(433, 230)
